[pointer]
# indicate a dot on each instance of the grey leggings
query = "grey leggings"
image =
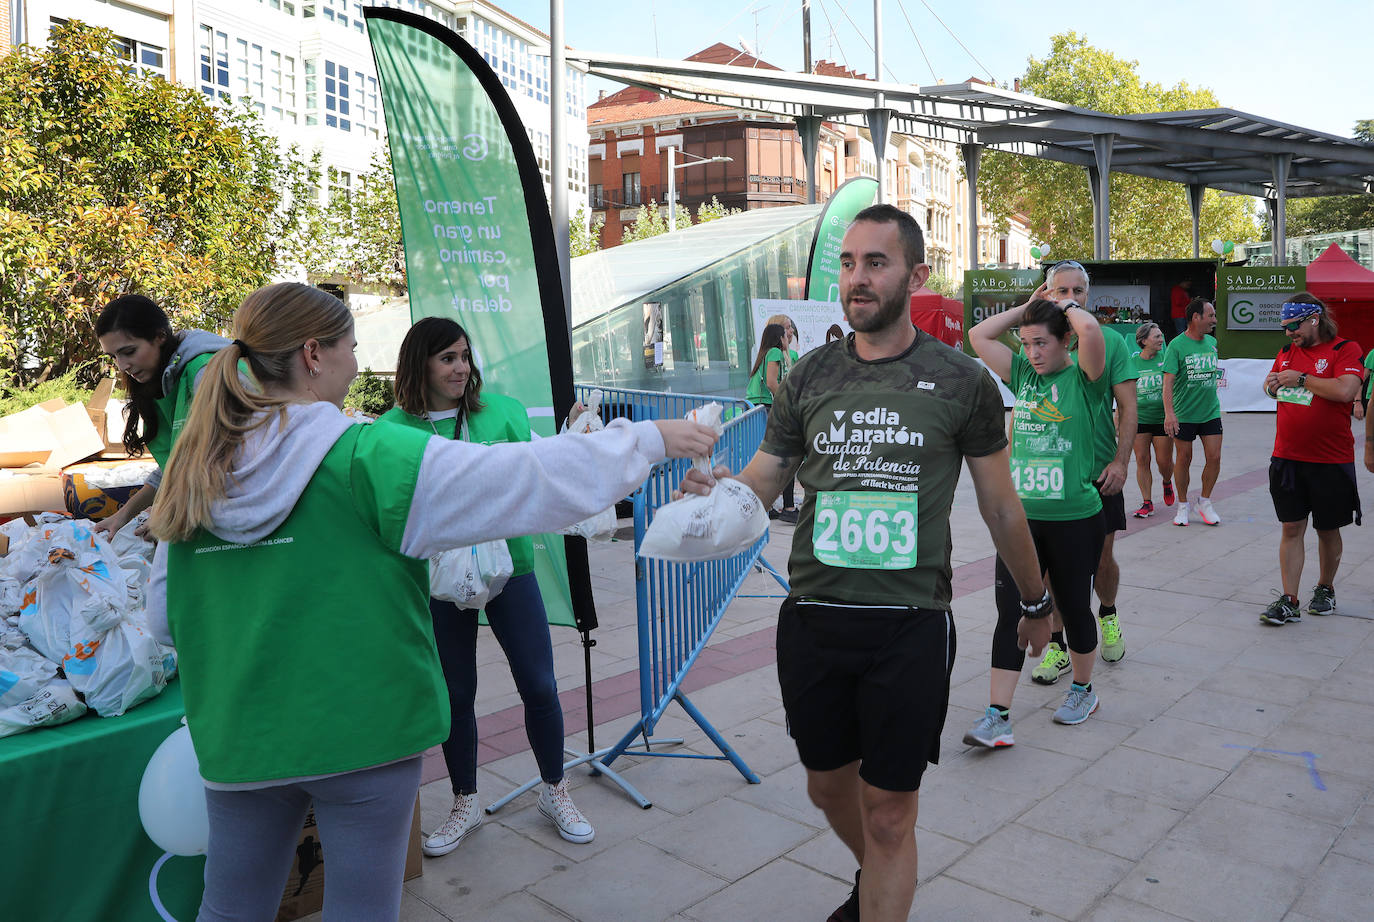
(364, 821)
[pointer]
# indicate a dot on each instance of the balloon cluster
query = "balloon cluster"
(1223, 247)
(1040, 251)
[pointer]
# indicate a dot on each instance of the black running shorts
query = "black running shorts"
(1153, 430)
(1189, 431)
(1113, 509)
(867, 684)
(1327, 492)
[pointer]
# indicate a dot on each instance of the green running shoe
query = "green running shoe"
(1113, 648)
(1053, 664)
(1323, 601)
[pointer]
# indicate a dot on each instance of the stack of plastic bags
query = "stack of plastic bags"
(73, 632)
(600, 527)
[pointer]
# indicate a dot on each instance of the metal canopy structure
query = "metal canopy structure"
(1213, 148)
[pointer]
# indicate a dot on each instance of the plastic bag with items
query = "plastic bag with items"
(52, 705)
(600, 527)
(130, 667)
(470, 577)
(721, 524)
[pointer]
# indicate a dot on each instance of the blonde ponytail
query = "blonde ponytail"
(270, 327)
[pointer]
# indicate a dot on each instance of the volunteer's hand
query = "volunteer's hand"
(1112, 478)
(1033, 633)
(683, 439)
(1170, 424)
(574, 413)
(107, 526)
(698, 483)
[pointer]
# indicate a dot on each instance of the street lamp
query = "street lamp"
(673, 167)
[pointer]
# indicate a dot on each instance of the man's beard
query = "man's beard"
(888, 312)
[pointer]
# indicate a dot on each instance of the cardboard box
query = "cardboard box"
(52, 433)
(107, 415)
(35, 491)
(304, 892)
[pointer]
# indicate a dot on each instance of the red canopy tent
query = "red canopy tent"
(1348, 289)
(939, 316)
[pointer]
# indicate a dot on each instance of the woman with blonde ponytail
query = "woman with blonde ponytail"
(295, 548)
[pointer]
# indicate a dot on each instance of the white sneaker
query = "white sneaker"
(465, 816)
(556, 803)
(1181, 514)
(1207, 513)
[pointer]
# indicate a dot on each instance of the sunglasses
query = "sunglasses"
(1066, 264)
(1293, 325)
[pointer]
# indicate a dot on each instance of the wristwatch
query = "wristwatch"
(1302, 379)
(1037, 610)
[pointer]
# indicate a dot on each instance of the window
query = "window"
(338, 112)
(596, 196)
(214, 63)
(630, 188)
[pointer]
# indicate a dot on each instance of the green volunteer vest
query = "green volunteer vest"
(173, 408)
(312, 651)
(501, 420)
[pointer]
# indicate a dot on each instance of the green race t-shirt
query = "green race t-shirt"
(1117, 369)
(1052, 423)
(502, 419)
(757, 390)
(881, 446)
(1194, 365)
(1369, 378)
(1149, 387)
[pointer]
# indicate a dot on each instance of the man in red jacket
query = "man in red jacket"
(1315, 379)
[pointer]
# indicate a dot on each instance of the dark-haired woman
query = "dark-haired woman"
(1052, 467)
(439, 391)
(1149, 363)
(296, 545)
(771, 364)
(161, 370)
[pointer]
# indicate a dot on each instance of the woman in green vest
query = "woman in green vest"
(439, 391)
(161, 370)
(1149, 363)
(771, 364)
(1052, 468)
(297, 586)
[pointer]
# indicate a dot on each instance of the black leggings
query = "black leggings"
(1069, 553)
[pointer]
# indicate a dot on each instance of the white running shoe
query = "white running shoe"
(557, 804)
(465, 816)
(1181, 514)
(1207, 513)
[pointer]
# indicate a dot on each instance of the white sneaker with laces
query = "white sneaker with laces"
(1207, 513)
(1181, 514)
(557, 804)
(465, 816)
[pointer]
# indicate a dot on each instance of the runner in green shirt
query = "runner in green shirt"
(771, 366)
(1149, 367)
(879, 425)
(1191, 407)
(294, 547)
(1053, 465)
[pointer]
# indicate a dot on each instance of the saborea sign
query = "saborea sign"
(1252, 299)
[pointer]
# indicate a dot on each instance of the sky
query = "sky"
(1305, 64)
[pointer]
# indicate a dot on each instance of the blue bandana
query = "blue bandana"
(1297, 310)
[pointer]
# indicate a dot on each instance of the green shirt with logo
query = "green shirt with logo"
(312, 650)
(881, 445)
(173, 408)
(1052, 423)
(1149, 387)
(1194, 365)
(1117, 369)
(502, 419)
(757, 390)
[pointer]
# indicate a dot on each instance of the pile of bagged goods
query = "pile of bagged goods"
(74, 635)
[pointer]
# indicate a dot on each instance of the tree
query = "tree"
(650, 221)
(584, 236)
(713, 210)
(112, 182)
(1150, 217)
(1330, 213)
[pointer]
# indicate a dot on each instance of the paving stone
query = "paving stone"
(1120, 824)
(1217, 709)
(1341, 891)
(1169, 781)
(1201, 885)
(1015, 857)
(520, 907)
(1357, 841)
(964, 813)
(780, 890)
(728, 838)
(1195, 742)
(1289, 661)
(784, 793)
(1019, 770)
(493, 861)
(632, 882)
(1260, 686)
(1117, 909)
(948, 900)
(1284, 782)
(1257, 834)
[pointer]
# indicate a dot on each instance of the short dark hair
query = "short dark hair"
(1046, 313)
(427, 338)
(913, 241)
(1194, 309)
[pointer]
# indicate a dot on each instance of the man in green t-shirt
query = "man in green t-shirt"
(1191, 407)
(878, 426)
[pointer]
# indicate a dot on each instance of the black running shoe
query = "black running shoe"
(848, 911)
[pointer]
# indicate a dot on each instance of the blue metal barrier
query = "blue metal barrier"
(680, 604)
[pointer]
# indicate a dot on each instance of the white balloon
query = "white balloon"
(1044, 249)
(1218, 247)
(171, 798)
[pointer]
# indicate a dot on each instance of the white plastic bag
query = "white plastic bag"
(130, 668)
(470, 577)
(589, 420)
(724, 523)
(600, 527)
(22, 673)
(53, 704)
